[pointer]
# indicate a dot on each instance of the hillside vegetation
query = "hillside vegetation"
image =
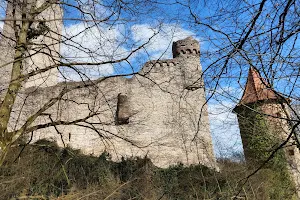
(45, 171)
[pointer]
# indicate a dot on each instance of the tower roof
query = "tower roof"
(257, 89)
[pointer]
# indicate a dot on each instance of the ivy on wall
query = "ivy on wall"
(260, 140)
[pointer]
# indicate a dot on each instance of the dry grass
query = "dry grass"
(44, 171)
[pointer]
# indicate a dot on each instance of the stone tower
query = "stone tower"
(263, 120)
(42, 50)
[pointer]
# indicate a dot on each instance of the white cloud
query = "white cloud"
(224, 128)
(160, 45)
(1, 25)
(93, 45)
(98, 44)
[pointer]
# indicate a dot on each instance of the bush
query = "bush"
(45, 171)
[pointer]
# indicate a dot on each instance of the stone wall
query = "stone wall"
(159, 113)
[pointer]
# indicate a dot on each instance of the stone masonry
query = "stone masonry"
(159, 113)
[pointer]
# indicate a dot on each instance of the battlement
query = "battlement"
(186, 47)
(160, 63)
(163, 63)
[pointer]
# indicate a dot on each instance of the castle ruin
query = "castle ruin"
(160, 112)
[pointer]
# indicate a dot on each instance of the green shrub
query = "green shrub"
(45, 170)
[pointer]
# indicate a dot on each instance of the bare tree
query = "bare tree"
(37, 48)
(262, 35)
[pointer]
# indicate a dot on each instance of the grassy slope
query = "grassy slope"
(44, 171)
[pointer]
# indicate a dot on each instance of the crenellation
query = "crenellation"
(185, 48)
(156, 64)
